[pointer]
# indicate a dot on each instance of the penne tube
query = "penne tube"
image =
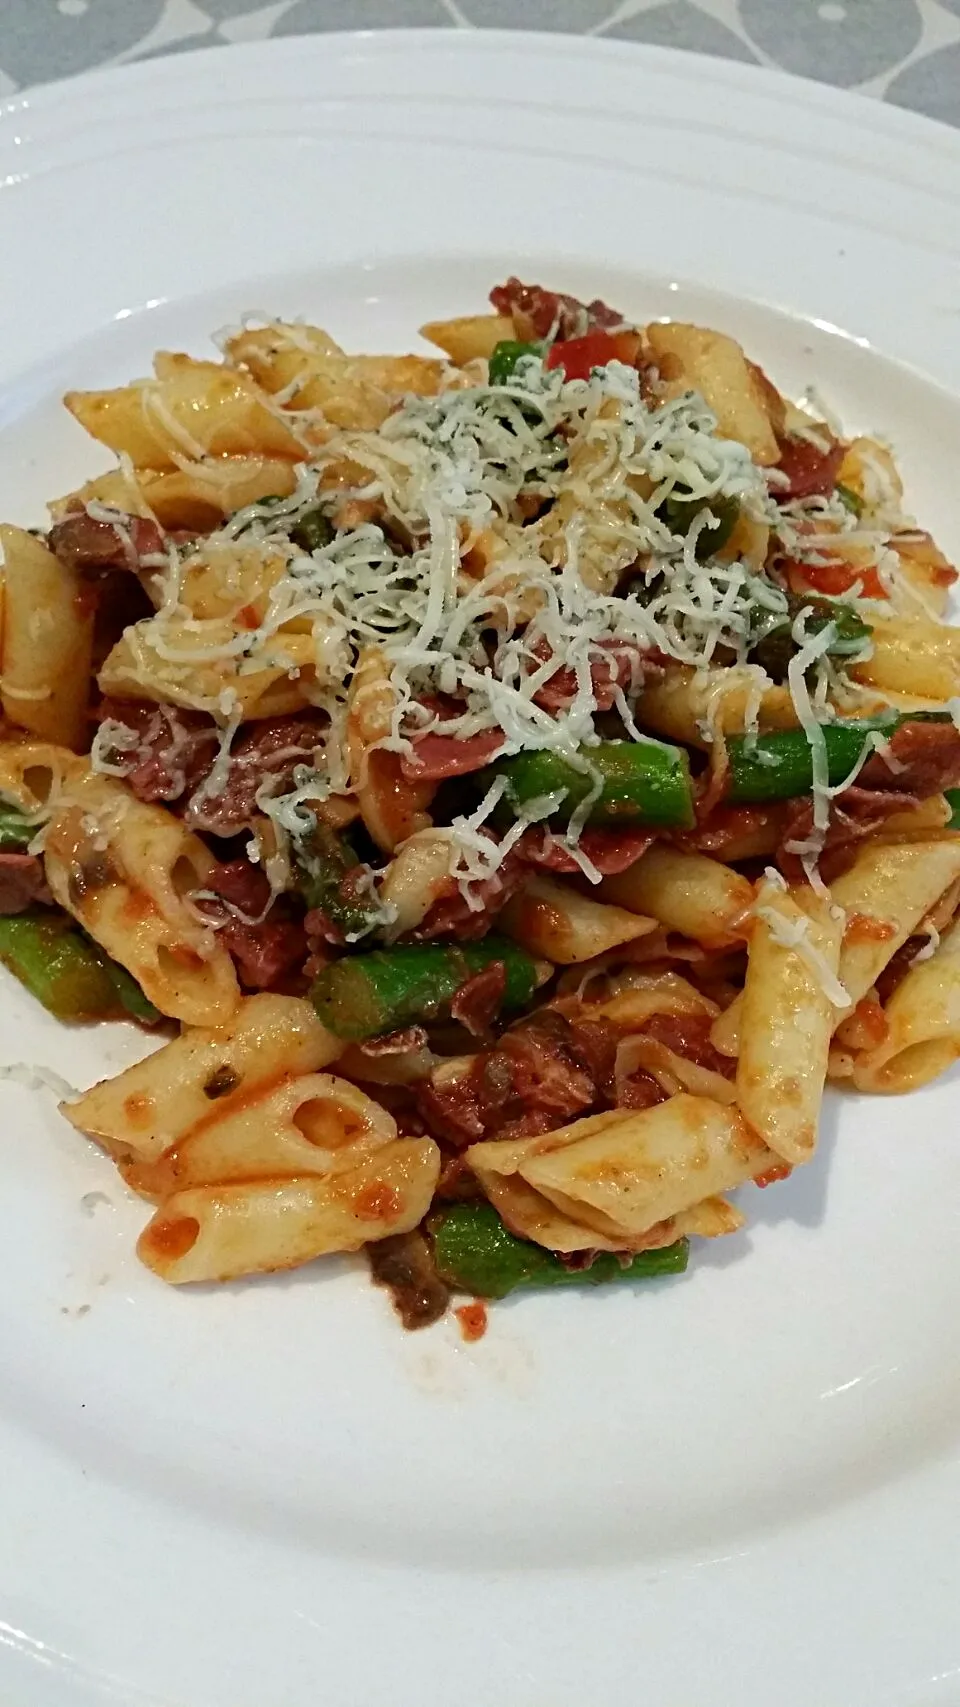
(695, 358)
(314, 1124)
(917, 822)
(864, 1027)
(228, 579)
(196, 410)
(887, 891)
(33, 775)
(647, 993)
(46, 651)
(197, 497)
(922, 1025)
(125, 871)
(725, 1031)
(640, 1169)
(393, 808)
(885, 894)
(924, 572)
(193, 667)
(686, 892)
(311, 372)
(869, 471)
(913, 655)
(686, 702)
(585, 514)
(118, 489)
(556, 922)
(221, 1232)
(790, 1007)
(625, 1171)
(531, 1216)
(499, 1164)
(673, 1072)
(742, 832)
(417, 877)
(202, 496)
(204, 1072)
(470, 338)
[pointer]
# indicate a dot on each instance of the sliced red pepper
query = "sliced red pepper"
(810, 471)
(579, 356)
(834, 578)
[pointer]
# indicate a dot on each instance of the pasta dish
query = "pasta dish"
(511, 781)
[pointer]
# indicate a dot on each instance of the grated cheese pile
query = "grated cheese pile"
(498, 504)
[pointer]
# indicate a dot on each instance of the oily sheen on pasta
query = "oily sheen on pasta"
(510, 782)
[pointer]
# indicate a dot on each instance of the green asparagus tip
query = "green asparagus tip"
(474, 1252)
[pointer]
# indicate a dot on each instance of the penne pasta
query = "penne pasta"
(206, 1070)
(585, 519)
(308, 371)
(126, 871)
(392, 808)
(195, 667)
(197, 497)
(642, 994)
(924, 572)
(913, 656)
(791, 1003)
(553, 920)
(471, 337)
(196, 410)
(259, 1226)
(635, 1170)
(34, 774)
(885, 894)
(920, 1037)
(417, 877)
(687, 892)
(47, 642)
(691, 358)
(531, 1216)
(312, 1124)
(686, 703)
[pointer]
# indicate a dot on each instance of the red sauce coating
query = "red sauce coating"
(473, 1320)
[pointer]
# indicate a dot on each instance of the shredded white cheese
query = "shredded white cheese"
(793, 934)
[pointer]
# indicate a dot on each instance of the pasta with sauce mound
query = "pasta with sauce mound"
(512, 781)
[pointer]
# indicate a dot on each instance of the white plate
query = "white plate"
(737, 1487)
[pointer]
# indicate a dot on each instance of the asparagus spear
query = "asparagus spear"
(474, 1252)
(16, 831)
(66, 971)
(777, 646)
(779, 766)
(643, 782)
(372, 993)
(312, 530)
(850, 499)
(333, 881)
(505, 357)
(679, 513)
(130, 996)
